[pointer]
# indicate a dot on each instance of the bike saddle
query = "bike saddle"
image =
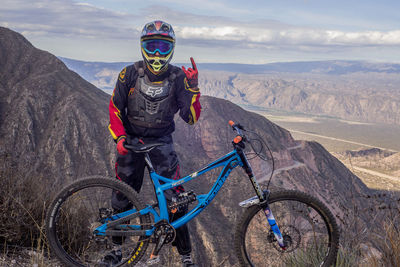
(142, 148)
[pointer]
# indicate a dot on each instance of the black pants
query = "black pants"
(130, 169)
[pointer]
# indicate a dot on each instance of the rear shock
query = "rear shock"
(182, 201)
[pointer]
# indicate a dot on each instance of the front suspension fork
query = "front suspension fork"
(263, 200)
(274, 226)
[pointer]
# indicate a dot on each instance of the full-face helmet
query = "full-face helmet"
(157, 43)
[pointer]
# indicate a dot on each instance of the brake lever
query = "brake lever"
(240, 126)
(236, 126)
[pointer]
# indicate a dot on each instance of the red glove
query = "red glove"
(192, 74)
(120, 147)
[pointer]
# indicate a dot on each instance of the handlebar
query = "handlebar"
(238, 128)
(238, 142)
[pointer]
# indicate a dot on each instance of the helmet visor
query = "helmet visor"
(162, 46)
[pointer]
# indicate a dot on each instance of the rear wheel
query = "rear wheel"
(79, 209)
(308, 228)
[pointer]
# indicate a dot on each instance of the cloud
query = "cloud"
(200, 28)
(365, 38)
(61, 25)
(291, 36)
(65, 17)
(80, 19)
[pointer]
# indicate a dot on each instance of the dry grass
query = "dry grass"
(387, 243)
(23, 201)
(373, 240)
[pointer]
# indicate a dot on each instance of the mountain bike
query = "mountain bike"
(284, 228)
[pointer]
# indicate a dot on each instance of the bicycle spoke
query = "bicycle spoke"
(80, 213)
(306, 235)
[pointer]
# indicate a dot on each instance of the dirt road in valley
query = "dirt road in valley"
(340, 140)
(394, 178)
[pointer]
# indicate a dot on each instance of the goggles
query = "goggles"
(152, 46)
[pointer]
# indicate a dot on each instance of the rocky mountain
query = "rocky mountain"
(352, 90)
(392, 164)
(330, 67)
(51, 118)
(102, 75)
(55, 122)
(366, 97)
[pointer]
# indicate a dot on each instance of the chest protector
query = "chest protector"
(152, 104)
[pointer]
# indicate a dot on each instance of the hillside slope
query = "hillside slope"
(366, 97)
(50, 117)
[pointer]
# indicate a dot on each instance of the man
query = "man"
(146, 97)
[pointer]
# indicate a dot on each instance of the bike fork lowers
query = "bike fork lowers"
(274, 226)
(263, 198)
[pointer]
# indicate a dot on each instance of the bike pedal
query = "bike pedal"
(153, 260)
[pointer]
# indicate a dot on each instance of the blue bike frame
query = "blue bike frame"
(229, 162)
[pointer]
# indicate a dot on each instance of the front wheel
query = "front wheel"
(81, 208)
(309, 232)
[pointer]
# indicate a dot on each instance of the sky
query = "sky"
(212, 31)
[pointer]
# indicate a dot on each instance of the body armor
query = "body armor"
(152, 104)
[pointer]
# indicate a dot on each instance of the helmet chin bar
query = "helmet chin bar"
(156, 64)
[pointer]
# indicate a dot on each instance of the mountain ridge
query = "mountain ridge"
(44, 96)
(351, 90)
(331, 67)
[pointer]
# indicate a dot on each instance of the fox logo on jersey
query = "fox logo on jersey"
(153, 91)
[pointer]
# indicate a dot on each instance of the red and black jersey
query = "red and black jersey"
(187, 101)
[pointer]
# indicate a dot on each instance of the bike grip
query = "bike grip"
(237, 139)
(127, 145)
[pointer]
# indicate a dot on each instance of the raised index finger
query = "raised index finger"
(193, 64)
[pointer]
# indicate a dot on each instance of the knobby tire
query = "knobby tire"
(306, 224)
(68, 222)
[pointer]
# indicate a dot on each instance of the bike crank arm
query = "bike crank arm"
(154, 257)
(274, 226)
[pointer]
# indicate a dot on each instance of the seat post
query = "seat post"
(148, 162)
